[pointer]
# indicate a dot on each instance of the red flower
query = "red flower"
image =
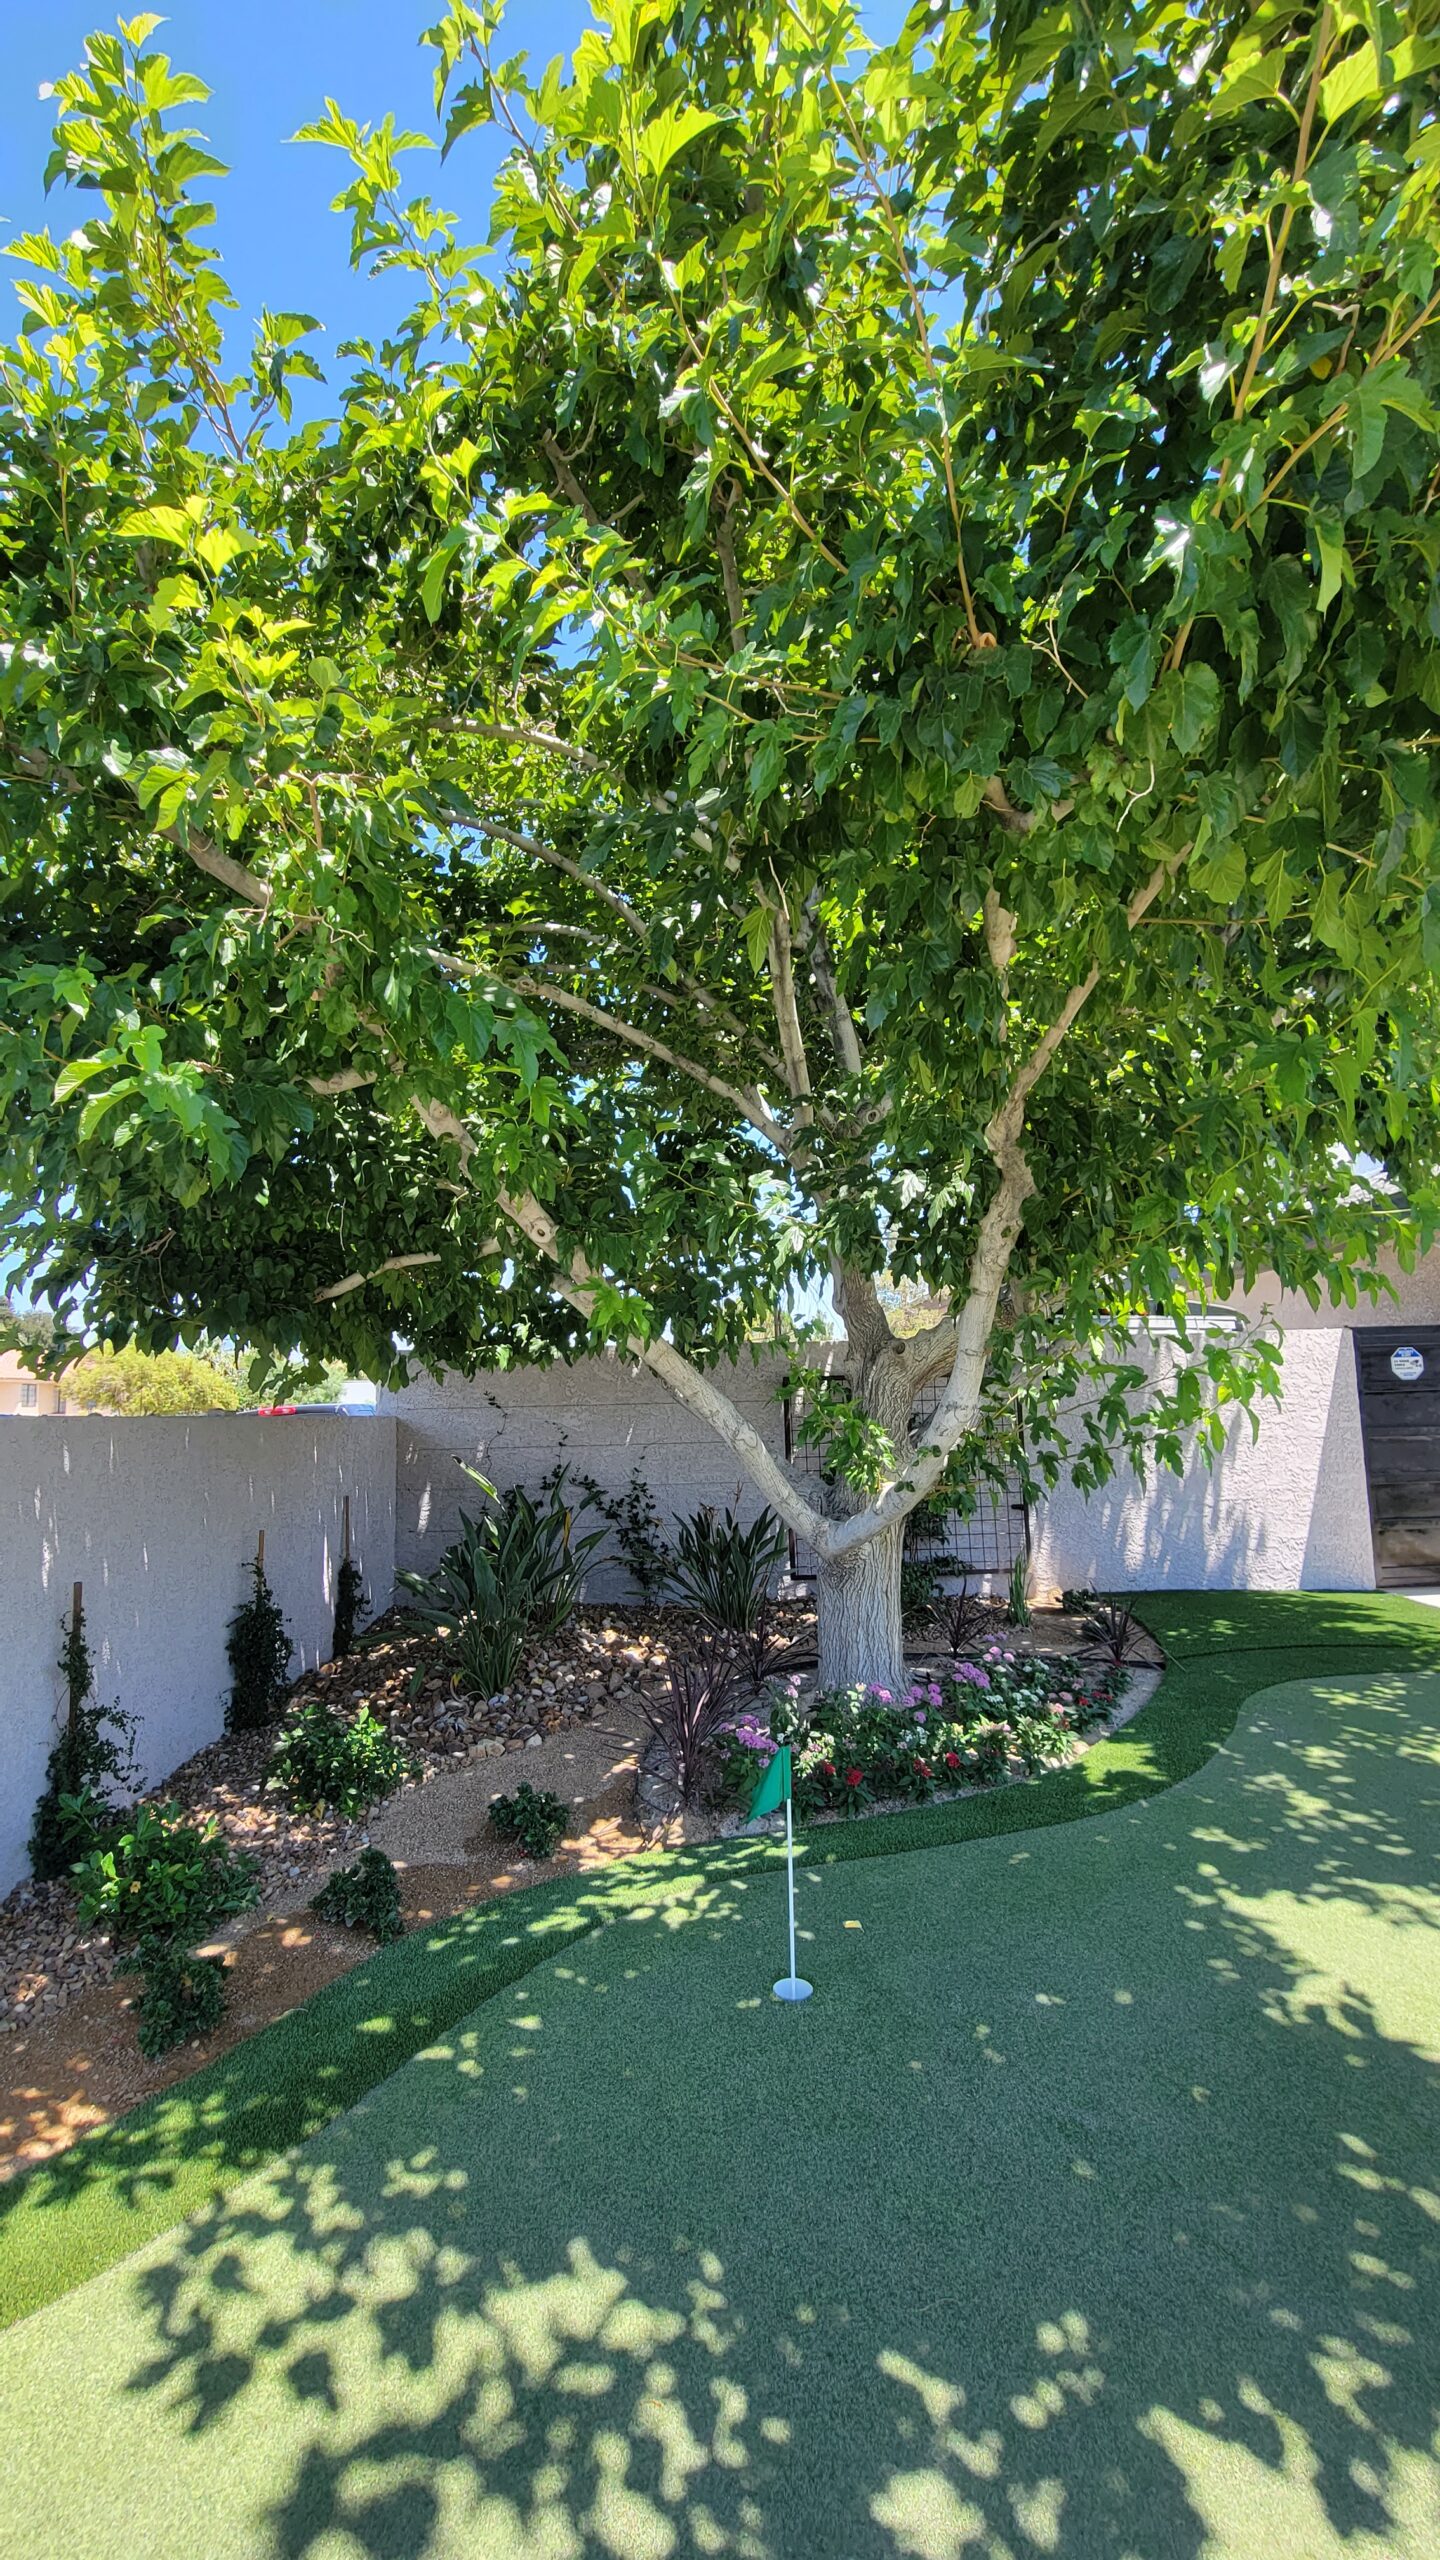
(827, 1768)
(924, 1768)
(854, 1777)
(952, 1759)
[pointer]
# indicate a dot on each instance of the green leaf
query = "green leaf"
(76, 1072)
(159, 524)
(667, 135)
(1195, 706)
(1328, 540)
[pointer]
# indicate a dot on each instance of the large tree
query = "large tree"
(856, 690)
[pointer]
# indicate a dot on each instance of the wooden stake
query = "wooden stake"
(77, 1608)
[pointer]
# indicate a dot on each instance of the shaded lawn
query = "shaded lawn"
(69, 2218)
(1089, 2210)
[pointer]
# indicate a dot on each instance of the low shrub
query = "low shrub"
(258, 1650)
(182, 1996)
(164, 1879)
(328, 1763)
(364, 1896)
(533, 1818)
(157, 1887)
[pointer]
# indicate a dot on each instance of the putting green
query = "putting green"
(1089, 2209)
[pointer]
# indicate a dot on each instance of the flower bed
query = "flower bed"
(970, 1724)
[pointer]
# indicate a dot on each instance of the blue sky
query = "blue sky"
(270, 64)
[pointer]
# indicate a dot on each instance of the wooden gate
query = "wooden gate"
(1399, 1373)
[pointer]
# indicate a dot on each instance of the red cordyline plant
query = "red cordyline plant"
(697, 1707)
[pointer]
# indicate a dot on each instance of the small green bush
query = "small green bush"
(326, 1764)
(365, 1896)
(164, 1879)
(259, 1652)
(533, 1818)
(182, 1996)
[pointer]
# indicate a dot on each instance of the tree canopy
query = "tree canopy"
(143, 1383)
(856, 690)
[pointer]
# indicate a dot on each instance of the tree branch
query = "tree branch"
(960, 1405)
(822, 969)
(748, 1104)
(575, 1283)
(787, 1013)
(358, 1279)
(199, 849)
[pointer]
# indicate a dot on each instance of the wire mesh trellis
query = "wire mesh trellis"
(980, 1547)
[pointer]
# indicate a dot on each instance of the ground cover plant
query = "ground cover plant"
(118, 2186)
(328, 1763)
(1130, 2044)
(914, 750)
(534, 1818)
(364, 1896)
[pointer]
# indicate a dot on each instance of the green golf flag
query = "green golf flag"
(774, 1786)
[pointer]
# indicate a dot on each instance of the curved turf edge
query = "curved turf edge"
(66, 2219)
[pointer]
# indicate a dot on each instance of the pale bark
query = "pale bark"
(861, 1632)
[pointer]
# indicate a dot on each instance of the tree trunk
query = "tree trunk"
(861, 1638)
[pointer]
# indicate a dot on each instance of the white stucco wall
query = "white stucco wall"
(1416, 1300)
(1286, 1511)
(158, 1520)
(602, 1417)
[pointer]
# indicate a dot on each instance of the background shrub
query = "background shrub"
(514, 1574)
(326, 1763)
(349, 1602)
(94, 1748)
(259, 1652)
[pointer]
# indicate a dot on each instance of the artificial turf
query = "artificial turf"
(1089, 2209)
(68, 2219)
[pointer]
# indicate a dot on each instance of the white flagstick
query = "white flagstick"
(792, 1988)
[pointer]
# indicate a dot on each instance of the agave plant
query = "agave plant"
(514, 1574)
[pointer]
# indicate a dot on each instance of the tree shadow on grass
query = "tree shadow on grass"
(1115, 2233)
